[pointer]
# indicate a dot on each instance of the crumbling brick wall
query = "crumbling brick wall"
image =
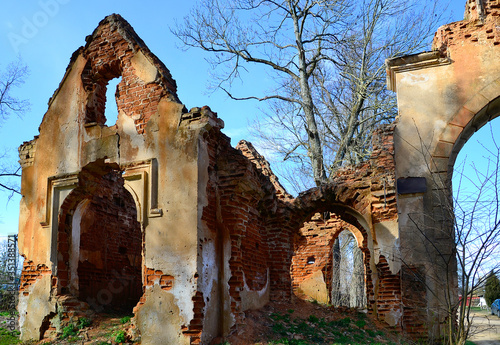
(312, 247)
(480, 10)
(369, 189)
(237, 202)
(218, 234)
(243, 193)
(274, 210)
(30, 273)
(414, 300)
(110, 56)
(247, 242)
(480, 26)
(389, 292)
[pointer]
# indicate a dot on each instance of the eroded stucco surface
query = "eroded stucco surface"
(215, 232)
(160, 315)
(39, 306)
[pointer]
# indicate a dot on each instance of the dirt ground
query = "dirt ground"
(485, 328)
(258, 326)
(258, 323)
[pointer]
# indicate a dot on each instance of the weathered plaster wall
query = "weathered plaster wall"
(149, 133)
(219, 233)
(34, 299)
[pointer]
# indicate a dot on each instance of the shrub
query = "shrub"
(119, 336)
(68, 331)
(83, 322)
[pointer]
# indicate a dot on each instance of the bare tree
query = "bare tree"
(327, 58)
(477, 230)
(12, 77)
(288, 37)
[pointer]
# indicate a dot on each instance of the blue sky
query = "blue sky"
(45, 33)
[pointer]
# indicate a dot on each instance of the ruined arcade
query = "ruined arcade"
(157, 215)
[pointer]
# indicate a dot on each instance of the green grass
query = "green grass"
(69, 331)
(345, 322)
(125, 319)
(73, 339)
(119, 336)
(360, 323)
(83, 323)
(9, 337)
(314, 330)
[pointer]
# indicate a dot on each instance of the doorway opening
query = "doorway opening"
(327, 265)
(102, 253)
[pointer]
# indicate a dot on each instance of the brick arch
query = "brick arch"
(346, 214)
(487, 113)
(324, 199)
(481, 108)
(350, 200)
(346, 202)
(101, 213)
(315, 239)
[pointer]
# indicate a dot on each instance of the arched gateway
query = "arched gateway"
(205, 231)
(444, 96)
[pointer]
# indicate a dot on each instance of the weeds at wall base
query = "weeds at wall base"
(104, 330)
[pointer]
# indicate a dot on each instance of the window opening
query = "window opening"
(111, 108)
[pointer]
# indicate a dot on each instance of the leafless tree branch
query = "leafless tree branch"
(12, 77)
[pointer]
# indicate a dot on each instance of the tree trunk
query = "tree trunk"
(314, 141)
(358, 297)
(335, 297)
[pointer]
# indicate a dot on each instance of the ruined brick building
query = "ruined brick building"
(159, 215)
